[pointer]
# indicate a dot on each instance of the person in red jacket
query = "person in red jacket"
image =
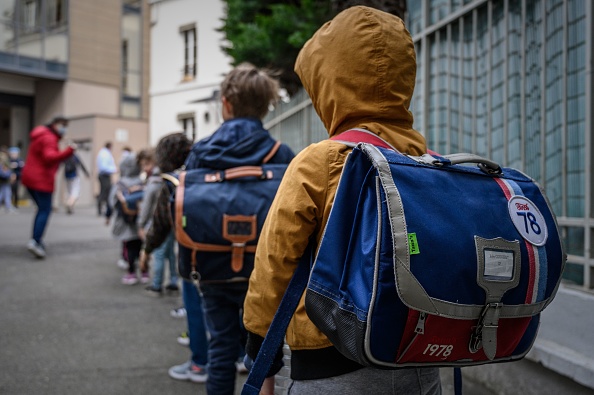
(38, 176)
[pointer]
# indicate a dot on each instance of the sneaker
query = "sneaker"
(145, 278)
(188, 371)
(154, 291)
(122, 264)
(198, 374)
(172, 289)
(36, 249)
(180, 312)
(184, 339)
(129, 279)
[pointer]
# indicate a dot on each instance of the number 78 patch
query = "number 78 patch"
(528, 220)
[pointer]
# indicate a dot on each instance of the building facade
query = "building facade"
(188, 66)
(84, 59)
(512, 81)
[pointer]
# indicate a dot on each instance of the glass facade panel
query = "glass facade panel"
(467, 85)
(497, 84)
(554, 112)
(576, 107)
(574, 273)
(438, 9)
(415, 17)
(514, 84)
(442, 132)
(532, 86)
(573, 240)
(433, 102)
(482, 83)
(454, 88)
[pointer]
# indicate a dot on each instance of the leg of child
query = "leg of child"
(159, 266)
(196, 325)
(133, 252)
(170, 255)
(222, 305)
(15, 193)
(3, 196)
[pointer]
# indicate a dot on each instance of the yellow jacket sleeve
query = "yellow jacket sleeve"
(300, 210)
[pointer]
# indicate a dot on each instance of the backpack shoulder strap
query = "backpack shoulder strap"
(278, 327)
(170, 178)
(354, 136)
(272, 152)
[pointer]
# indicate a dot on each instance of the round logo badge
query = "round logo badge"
(528, 220)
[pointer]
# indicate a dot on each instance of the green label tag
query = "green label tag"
(413, 246)
(183, 221)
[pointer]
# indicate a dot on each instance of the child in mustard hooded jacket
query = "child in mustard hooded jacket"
(359, 70)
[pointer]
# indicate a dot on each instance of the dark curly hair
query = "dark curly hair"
(171, 151)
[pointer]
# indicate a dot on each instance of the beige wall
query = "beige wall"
(95, 46)
(95, 41)
(49, 101)
(83, 99)
(97, 130)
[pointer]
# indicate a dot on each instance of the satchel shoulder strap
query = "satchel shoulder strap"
(354, 136)
(275, 336)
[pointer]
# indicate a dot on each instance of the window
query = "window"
(189, 36)
(188, 124)
(29, 15)
(131, 63)
(125, 55)
(56, 13)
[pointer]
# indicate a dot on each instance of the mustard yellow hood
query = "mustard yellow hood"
(359, 70)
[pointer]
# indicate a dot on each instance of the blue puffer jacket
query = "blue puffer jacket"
(238, 142)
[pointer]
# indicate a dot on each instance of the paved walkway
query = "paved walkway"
(68, 326)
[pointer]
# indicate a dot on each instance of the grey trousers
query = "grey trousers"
(410, 381)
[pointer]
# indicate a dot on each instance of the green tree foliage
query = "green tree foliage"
(269, 33)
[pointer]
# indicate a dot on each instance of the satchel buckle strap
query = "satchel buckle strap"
(485, 332)
(239, 229)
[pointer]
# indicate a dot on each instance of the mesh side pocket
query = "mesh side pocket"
(342, 327)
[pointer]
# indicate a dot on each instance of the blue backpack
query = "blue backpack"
(444, 265)
(218, 216)
(128, 202)
(425, 261)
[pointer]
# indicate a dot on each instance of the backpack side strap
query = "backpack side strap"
(170, 178)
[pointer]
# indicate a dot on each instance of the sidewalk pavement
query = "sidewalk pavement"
(68, 326)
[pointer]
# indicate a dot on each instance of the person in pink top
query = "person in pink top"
(38, 176)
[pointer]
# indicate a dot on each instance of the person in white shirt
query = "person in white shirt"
(105, 167)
